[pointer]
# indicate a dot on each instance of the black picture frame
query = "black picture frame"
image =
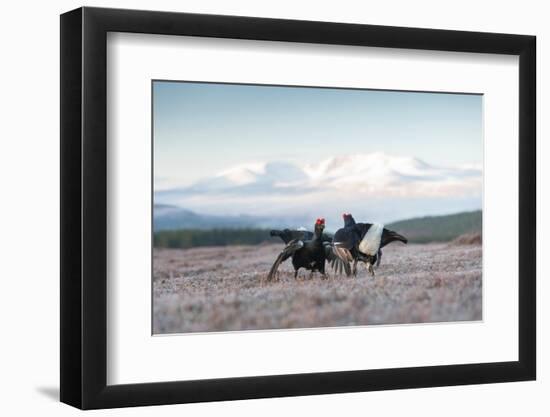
(84, 207)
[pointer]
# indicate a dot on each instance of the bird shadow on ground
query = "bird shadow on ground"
(50, 392)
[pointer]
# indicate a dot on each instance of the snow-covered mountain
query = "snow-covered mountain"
(357, 181)
(379, 170)
(257, 177)
(362, 173)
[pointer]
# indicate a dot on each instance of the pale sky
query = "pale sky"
(201, 129)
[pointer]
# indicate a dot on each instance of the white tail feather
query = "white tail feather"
(371, 242)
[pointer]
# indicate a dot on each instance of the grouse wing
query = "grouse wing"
(286, 253)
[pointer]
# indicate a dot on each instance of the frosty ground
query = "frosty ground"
(224, 288)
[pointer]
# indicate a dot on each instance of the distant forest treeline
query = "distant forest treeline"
(418, 230)
(190, 238)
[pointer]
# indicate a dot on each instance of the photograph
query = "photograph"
(298, 207)
(254, 206)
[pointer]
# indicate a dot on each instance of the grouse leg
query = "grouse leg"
(370, 268)
(379, 258)
(323, 272)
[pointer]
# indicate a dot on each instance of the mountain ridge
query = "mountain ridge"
(375, 170)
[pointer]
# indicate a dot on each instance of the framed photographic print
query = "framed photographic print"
(257, 207)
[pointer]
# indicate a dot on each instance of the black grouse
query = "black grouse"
(363, 242)
(306, 252)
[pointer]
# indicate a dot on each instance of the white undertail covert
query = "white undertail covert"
(371, 242)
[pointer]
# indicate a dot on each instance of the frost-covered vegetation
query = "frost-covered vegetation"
(224, 288)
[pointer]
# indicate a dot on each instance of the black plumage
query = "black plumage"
(308, 253)
(287, 235)
(347, 242)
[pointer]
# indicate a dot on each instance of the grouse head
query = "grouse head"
(320, 225)
(348, 219)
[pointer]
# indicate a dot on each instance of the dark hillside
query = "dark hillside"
(438, 228)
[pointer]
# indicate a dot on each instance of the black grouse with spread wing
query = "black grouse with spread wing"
(363, 242)
(309, 254)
